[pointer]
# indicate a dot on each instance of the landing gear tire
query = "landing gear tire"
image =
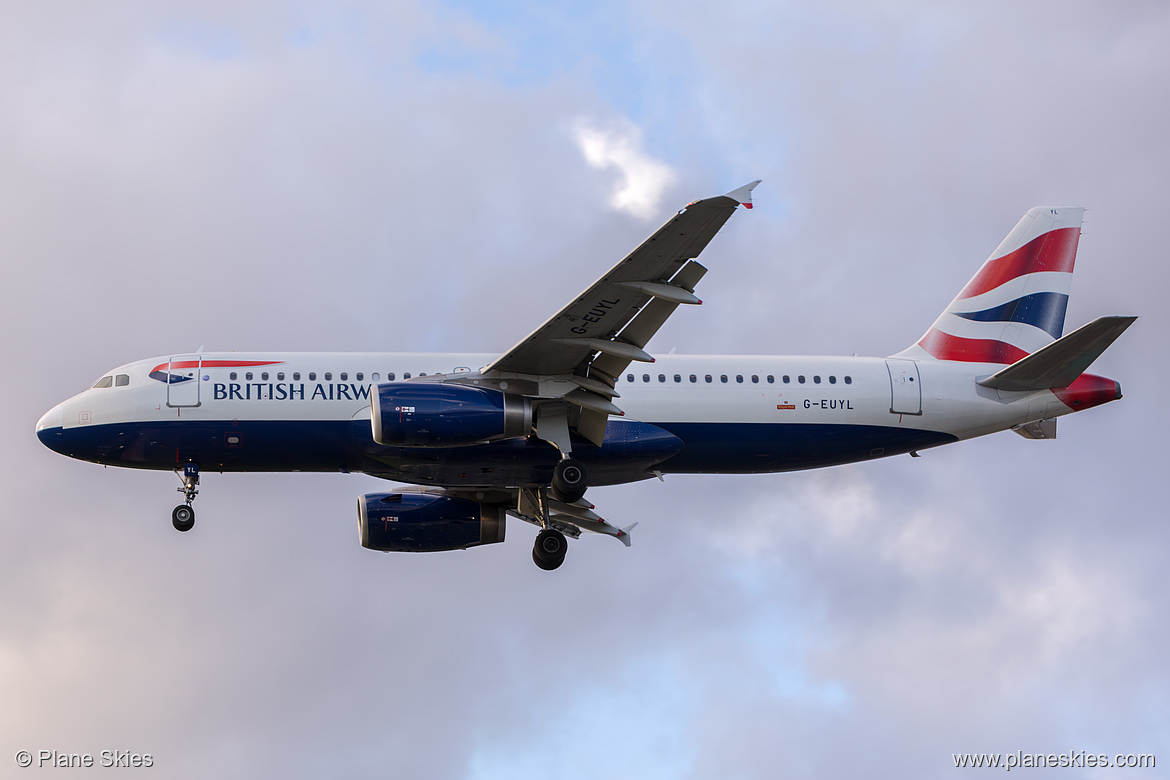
(183, 518)
(570, 478)
(549, 551)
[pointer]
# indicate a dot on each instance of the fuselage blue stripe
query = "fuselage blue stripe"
(632, 450)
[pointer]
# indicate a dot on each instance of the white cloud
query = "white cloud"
(641, 180)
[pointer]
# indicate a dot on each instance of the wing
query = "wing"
(588, 343)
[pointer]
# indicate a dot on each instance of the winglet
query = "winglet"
(623, 534)
(743, 195)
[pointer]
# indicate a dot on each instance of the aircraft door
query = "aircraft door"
(183, 380)
(905, 387)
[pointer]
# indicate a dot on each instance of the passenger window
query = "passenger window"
(629, 377)
(771, 379)
(832, 379)
(662, 377)
(328, 376)
(248, 376)
(707, 378)
(233, 376)
(816, 379)
(694, 379)
(344, 376)
(406, 375)
(800, 378)
(280, 376)
(264, 376)
(755, 379)
(678, 377)
(121, 380)
(360, 376)
(389, 376)
(312, 376)
(374, 377)
(723, 378)
(739, 378)
(645, 377)
(786, 379)
(848, 380)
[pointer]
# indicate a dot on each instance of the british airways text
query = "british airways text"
(289, 391)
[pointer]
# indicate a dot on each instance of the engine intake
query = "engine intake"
(408, 414)
(421, 522)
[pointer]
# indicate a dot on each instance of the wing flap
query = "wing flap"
(647, 322)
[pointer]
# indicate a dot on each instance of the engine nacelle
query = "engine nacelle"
(421, 522)
(408, 414)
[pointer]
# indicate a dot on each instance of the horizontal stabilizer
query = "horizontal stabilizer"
(1061, 362)
(1040, 429)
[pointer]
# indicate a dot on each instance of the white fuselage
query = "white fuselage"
(732, 412)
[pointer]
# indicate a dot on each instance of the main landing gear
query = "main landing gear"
(550, 549)
(183, 516)
(569, 481)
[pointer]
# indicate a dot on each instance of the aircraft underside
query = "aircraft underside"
(631, 450)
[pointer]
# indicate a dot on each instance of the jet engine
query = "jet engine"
(407, 414)
(423, 522)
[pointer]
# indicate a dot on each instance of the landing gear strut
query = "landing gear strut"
(569, 480)
(183, 517)
(533, 505)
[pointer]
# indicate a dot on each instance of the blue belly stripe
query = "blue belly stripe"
(631, 450)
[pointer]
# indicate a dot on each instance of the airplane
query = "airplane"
(579, 403)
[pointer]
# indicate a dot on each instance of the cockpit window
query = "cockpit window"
(105, 381)
(121, 380)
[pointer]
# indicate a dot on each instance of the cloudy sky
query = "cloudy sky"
(362, 176)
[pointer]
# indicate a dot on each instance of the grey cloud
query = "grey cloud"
(995, 595)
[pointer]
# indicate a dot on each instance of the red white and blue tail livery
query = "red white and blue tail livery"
(1016, 303)
(579, 403)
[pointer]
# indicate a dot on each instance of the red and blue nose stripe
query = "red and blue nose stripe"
(160, 374)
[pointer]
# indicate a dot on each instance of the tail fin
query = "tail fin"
(1015, 304)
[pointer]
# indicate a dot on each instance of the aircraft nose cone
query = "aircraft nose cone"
(49, 426)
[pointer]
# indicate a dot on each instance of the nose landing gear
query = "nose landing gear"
(183, 516)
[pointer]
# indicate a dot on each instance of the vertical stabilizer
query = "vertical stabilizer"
(1015, 304)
